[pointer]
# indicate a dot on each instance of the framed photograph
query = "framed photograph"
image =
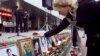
(10, 50)
(49, 42)
(58, 39)
(37, 49)
(46, 45)
(54, 40)
(25, 47)
(43, 44)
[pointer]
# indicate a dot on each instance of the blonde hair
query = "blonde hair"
(72, 3)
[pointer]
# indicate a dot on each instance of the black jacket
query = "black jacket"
(88, 17)
(19, 15)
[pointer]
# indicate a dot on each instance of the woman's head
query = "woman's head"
(62, 6)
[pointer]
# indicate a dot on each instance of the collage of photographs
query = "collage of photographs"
(40, 46)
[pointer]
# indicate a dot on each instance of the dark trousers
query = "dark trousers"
(25, 25)
(19, 25)
(93, 46)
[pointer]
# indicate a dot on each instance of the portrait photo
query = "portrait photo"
(43, 44)
(9, 51)
(36, 45)
(25, 47)
(49, 42)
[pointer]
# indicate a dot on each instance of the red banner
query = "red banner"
(5, 14)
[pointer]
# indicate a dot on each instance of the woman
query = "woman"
(87, 17)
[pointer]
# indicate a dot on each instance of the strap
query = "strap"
(74, 30)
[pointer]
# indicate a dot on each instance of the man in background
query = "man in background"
(19, 19)
(25, 21)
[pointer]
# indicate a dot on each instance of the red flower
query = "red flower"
(4, 44)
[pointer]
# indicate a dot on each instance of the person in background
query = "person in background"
(19, 14)
(25, 21)
(87, 16)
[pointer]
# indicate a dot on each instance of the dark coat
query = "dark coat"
(88, 17)
(19, 15)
